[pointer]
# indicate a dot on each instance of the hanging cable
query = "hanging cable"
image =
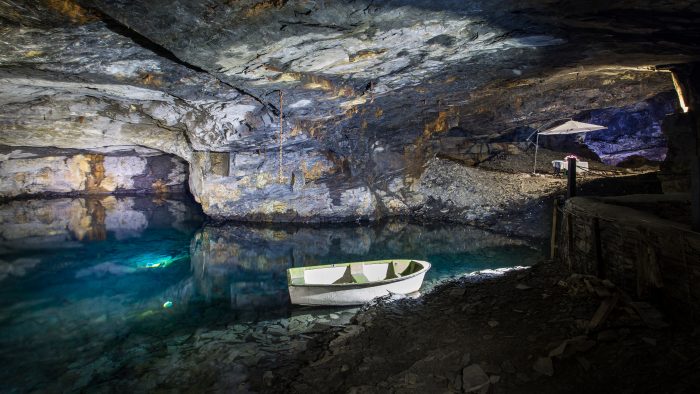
(279, 173)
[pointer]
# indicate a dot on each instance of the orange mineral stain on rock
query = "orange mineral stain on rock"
(438, 125)
(159, 186)
(314, 172)
(93, 181)
(72, 10)
(97, 230)
(261, 7)
(150, 79)
(366, 54)
(87, 220)
(318, 83)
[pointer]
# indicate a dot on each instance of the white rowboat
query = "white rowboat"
(354, 283)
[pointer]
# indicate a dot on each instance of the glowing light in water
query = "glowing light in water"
(152, 260)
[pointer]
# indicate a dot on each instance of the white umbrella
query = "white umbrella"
(570, 127)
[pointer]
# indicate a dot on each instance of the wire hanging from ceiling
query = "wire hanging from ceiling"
(281, 130)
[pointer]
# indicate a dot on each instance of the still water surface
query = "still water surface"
(127, 292)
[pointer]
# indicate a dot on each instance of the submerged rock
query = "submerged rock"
(475, 380)
(544, 366)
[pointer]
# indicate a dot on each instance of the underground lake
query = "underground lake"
(120, 291)
(181, 179)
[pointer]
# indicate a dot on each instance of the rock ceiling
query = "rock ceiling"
(408, 60)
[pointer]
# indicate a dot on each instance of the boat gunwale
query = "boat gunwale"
(426, 266)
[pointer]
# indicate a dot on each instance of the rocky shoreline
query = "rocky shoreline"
(537, 331)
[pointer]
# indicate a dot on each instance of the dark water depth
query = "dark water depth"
(95, 291)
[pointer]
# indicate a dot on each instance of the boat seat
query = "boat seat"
(411, 268)
(391, 271)
(353, 274)
(346, 278)
(357, 271)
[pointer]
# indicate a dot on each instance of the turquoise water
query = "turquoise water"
(122, 293)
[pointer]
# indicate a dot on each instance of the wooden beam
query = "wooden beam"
(695, 172)
(571, 178)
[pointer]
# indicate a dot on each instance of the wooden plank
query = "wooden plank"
(571, 179)
(603, 312)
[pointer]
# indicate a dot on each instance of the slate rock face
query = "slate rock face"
(53, 171)
(367, 89)
(633, 130)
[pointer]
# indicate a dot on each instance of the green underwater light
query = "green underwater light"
(151, 260)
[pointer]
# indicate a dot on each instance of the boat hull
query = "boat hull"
(352, 295)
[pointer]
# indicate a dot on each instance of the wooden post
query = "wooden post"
(695, 172)
(695, 192)
(571, 178)
(600, 265)
(570, 239)
(553, 241)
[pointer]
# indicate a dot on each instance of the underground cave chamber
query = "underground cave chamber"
(164, 163)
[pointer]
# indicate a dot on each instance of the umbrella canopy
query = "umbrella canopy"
(572, 127)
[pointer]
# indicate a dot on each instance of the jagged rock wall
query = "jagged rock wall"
(634, 130)
(34, 171)
(251, 189)
(367, 88)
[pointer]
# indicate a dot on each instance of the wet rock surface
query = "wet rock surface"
(26, 172)
(202, 81)
(555, 333)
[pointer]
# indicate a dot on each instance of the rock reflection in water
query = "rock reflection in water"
(246, 264)
(61, 222)
(76, 274)
(84, 283)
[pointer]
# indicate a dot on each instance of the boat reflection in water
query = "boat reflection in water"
(246, 264)
(225, 267)
(93, 287)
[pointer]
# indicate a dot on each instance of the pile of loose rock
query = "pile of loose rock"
(526, 331)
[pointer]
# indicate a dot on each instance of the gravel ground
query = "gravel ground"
(527, 331)
(524, 162)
